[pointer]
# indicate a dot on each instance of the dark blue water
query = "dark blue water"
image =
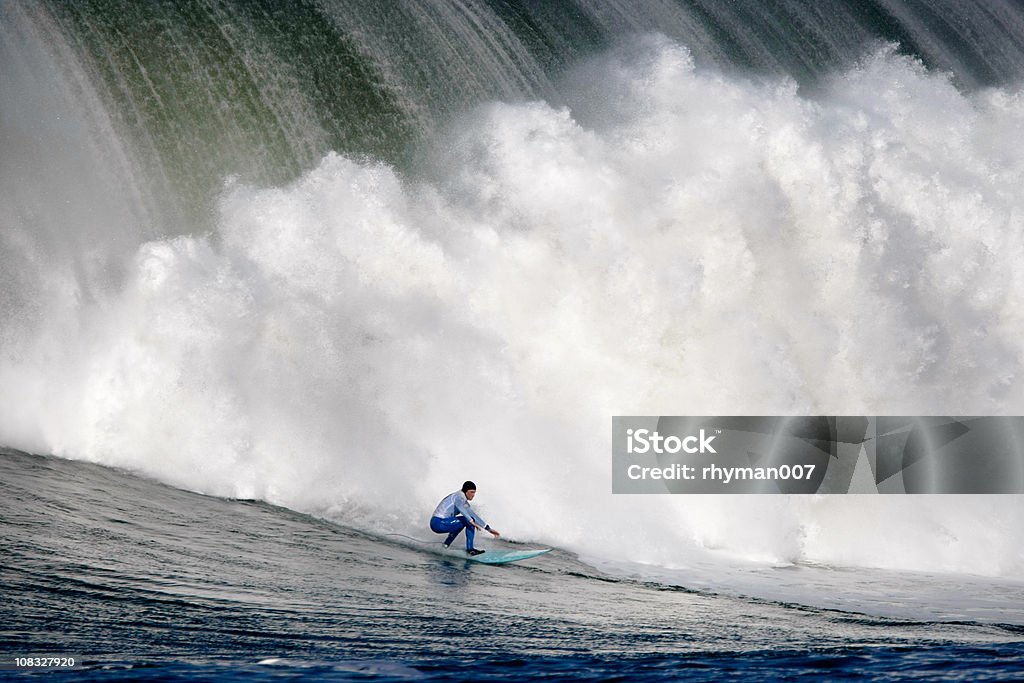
(140, 581)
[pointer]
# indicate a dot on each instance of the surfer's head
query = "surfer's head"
(469, 488)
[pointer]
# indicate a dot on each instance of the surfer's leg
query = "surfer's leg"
(463, 524)
(452, 526)
(452, 536)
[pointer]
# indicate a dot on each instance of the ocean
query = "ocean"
(276, 277)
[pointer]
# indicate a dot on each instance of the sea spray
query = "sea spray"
(677, 241)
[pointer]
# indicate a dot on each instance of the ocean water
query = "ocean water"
(142, 581)
(274, 278)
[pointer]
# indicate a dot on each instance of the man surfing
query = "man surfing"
(453, 514)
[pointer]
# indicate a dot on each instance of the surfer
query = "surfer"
(453, 514)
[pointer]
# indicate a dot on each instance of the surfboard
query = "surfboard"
(502, 556)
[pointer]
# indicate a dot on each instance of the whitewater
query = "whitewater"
(644, 233)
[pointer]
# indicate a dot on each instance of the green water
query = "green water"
(205, 90)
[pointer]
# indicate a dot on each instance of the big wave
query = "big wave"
(669, 240)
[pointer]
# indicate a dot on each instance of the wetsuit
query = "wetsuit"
(452, 515)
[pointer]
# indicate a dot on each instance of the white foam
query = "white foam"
(677, 242)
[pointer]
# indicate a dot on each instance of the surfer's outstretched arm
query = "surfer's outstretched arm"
(462, 508)
(474, 519)
(488, 529)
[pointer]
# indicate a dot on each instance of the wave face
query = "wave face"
(341, 258)
(117, 570)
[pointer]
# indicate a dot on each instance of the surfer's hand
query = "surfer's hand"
(493, 531)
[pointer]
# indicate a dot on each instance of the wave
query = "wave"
(148, 579)
(671, 239)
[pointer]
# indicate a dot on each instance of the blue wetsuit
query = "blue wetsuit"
(452, 515)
